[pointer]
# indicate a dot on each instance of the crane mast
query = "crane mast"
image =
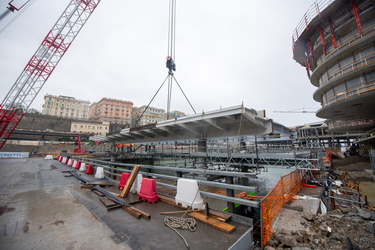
(42, 64)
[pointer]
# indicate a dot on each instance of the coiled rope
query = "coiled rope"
(182, 223)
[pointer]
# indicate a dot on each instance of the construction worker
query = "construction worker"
(170, 64)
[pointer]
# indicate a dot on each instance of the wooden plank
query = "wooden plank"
(88, 187)
(222, 226)
(212, 216)
(100, 183)
(98, 193)
(68, 175)
(124, 193)
(107, 202)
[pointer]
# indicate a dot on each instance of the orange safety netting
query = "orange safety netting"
(283, 192)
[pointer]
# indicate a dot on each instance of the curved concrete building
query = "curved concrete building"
(335, 42)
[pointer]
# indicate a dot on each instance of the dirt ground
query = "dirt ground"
(357, 166)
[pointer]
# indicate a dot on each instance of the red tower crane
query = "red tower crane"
(42, 64)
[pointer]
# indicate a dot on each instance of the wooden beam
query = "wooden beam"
(98, 193)
(143, 214)
(107, 202)
(222, 226)
(124, 193)
(132, 211)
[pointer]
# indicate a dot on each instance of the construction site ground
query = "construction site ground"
(40, 208)
(302, 224)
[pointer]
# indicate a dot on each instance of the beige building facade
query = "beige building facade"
(150, 115)
(86, 127)
(66, 106)
(111, 110)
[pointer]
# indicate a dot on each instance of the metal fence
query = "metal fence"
(168, 176)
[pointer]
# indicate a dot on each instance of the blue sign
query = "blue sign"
(14, 154)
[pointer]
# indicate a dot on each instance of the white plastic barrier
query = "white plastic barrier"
(136, 187)
(69, 162)
(188, 194)
(99, 173)
(48, 157)
(74, 164)
(83, 167)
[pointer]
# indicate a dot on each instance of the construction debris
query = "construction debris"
(343, 228)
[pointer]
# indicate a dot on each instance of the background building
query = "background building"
(111, 110)
(65, 106)
(98, 128)
(176, 114)
(150, 115)
(335, 41)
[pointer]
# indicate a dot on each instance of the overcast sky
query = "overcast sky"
(227, 53)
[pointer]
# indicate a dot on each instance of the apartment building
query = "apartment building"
(86, 127)
(335, 43)
(150, 115)
(111, 110)
(66, 106)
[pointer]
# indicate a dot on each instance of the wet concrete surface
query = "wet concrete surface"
(42, 209)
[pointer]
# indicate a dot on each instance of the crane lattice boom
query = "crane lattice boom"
(43, 62)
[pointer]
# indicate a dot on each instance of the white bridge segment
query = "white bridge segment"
(233, 121)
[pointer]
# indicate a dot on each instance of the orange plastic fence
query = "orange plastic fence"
(288, 186)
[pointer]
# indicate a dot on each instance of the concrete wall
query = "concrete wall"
(44, 122)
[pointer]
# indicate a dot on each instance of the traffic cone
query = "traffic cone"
(124, 180)
(89, 169)
(78, 165)
(148, 190)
